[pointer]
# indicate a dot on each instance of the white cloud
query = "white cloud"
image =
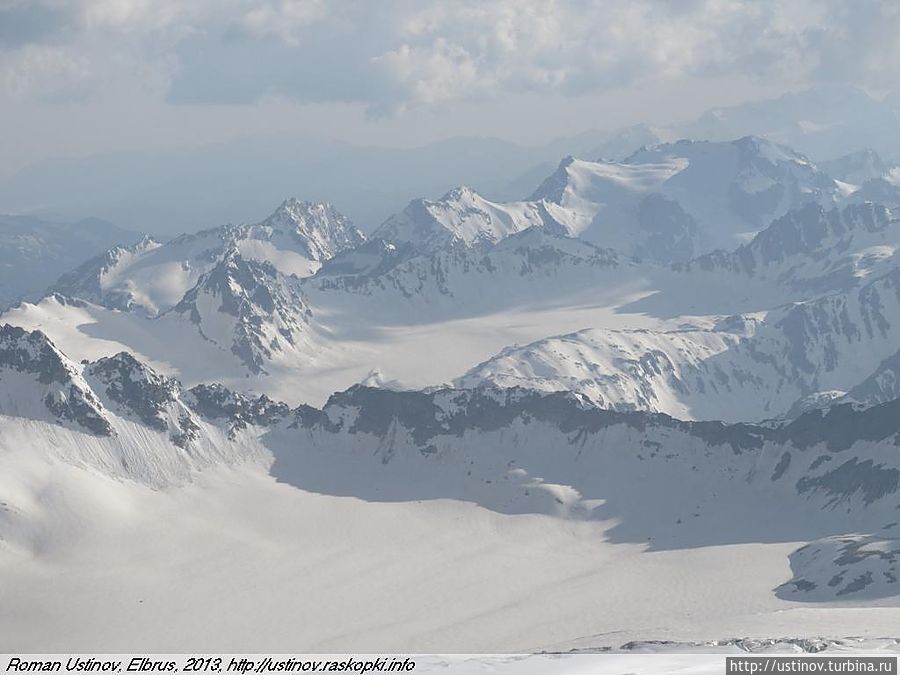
(434, 74)
(284, 20)
(579, 47)
(131, 15)
(397, 54)
(44, 70)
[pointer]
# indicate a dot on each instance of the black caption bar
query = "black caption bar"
(756, 665)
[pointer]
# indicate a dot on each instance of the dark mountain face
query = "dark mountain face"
(267, 311)
(48, 382)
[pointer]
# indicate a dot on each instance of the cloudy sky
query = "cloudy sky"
(85, 76)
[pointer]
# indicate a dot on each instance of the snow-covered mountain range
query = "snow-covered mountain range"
(302, 304)
(154, 277)
(667, 202)
(661, 361)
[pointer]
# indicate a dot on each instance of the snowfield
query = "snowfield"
(239, 560)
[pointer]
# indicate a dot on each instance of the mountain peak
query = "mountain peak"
(767, 150)
(247, 307)
(296, 210)
(132, 386)
(321, 228)
(460, 193)
(856, 168)
(460, 217)
(553, 187)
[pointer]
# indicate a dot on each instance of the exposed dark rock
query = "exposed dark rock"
(215, 402)
(136, 387)
(269, 311)
(63, 394)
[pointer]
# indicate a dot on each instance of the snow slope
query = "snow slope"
(460, 215)
(37, 381)
(347, 339)
(618, 205)
(746, 367)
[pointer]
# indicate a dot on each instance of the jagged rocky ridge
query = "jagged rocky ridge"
(215, 402)
(38, 382)
(42, 383)
(514, 451)
(517, 264)
(247, 308)
(133, 389)
(126, 384)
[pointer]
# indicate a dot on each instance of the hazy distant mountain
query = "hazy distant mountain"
(34, 252)
(189, 189)
(857, 167)
(823, 122)
(592, 145)
(279, 297)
